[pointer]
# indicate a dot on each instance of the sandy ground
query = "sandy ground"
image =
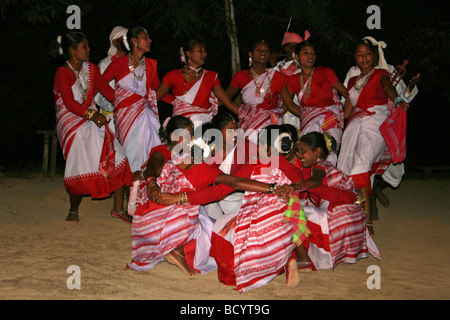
(38, 247)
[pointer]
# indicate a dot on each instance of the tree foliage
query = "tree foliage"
(29, 26)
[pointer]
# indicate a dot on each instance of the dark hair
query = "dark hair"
(176, 122)
(316, 140)
(134, 33)
(293, 131)
(68, 40)
(371, 47)
(221, 119)
(190, 45)
(267, 136)
(255, 44)
(301, 45)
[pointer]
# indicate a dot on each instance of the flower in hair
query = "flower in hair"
(328, 140)
(199, 142)
(182, 55)
(164, 125)
(59, 39)
(278, 143)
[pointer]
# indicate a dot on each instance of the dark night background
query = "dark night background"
(415, 30)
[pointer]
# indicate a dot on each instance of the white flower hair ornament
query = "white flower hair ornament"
(278, 143)
(59, 40)
(199, 142)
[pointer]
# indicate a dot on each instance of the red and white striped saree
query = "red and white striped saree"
(158, 229)
(263, 240)
(96, 163)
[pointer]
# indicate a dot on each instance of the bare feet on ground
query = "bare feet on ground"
(176, 257)
(292, 277)
(72, 217)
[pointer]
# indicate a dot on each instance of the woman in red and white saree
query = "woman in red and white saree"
(161, 231)
(261, 88)
(363, 150)
(96, 164)
(337, 223)
(196, 89)
(317, 90)
(136, 110)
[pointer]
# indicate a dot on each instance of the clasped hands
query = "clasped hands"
(154, 194)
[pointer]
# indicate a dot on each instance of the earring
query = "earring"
(135, 44)
(250, 61)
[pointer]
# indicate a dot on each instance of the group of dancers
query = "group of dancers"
(280, 183)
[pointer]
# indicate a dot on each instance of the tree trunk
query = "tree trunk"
(232, 34)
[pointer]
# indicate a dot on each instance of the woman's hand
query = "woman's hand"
(168, 199)
(284, 191)
(153, 192)
(413, 82)
(99, 119)
(403, 105)
(137, 175)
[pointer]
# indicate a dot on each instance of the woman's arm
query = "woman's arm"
(312, 182)
(152, 171)
(287, 99)
(341, 89)
(348, 108)
(162, 90)
(231, 91)
(225, 99)
(391, 92)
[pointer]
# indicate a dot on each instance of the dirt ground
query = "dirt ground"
(39, 247)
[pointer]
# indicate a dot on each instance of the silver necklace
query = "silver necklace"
(132, 69)
(359, 85)
(83, 79)
(306, 91)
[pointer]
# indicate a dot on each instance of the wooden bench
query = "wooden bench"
(429, 169)
(49, 135)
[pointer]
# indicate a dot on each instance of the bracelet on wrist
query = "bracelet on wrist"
(359, 198)
(89, 114)
(398, 100)
(182, 198)
(272, 188)
(150, 181)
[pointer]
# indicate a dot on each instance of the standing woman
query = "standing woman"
(136, 112)
(260, 88)
(196, 89)
(116, 50)
(316, 88)
(366, 109)
(96, 164)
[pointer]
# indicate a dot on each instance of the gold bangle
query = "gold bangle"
(89, 114)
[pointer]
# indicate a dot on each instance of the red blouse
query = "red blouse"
(322, 82)
(65, 79)
(177, 83)
(278, 82)
(119, 68)
(373, 93)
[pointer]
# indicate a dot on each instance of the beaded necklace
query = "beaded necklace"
(132, 69)
(83, 79)
(306, 91)
(259, 89)
(360, 85)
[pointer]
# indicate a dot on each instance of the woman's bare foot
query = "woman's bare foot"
(292, 277)
(178, 259)
(72, 217)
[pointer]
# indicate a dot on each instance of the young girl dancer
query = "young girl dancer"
(316, 89)
(338, 226)
(96, 163)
